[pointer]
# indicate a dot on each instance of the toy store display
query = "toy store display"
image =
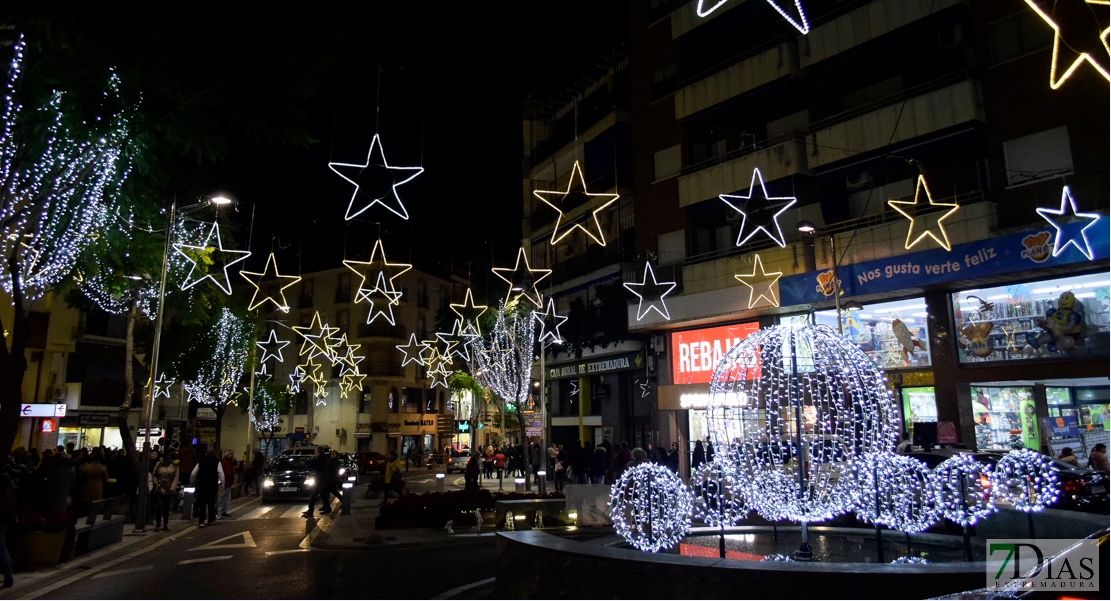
(1004, 418)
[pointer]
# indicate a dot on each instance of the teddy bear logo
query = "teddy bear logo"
(825, 283)
(1037, 247)
(977, 338)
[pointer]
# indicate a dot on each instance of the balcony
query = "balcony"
(778, 61)
(343, 295)
(863, 24)
(778, 157)
(104, 325)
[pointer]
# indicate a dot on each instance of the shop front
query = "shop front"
(87, 429)
(595, 399)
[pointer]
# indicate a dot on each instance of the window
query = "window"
(893, 333)
(669, 162)
(422, 294)
(364, 401)
(663, 81)
(394, 401)
(343, 288)
(1018, 35)
(1038, 156)
(305, 299)
(343, 319)
(301, 403)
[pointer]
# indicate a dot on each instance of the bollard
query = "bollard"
(187, 494)
(519, 484)
(348, 493)
(439, 483)
(542, 482)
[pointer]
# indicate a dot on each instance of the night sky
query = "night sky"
(443, 86)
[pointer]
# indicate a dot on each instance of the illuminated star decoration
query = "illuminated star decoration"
(549, 316)
(457, 341)
(218, 255)
(800, 23)
(576, 188)
(468, 314)
(272, 348)
(313, 371)
(382, 273)
(932, 226)
(767, 286)
(375, 171)
(414, 351)
(162, 386)
(282, 306)
(1083, 44)
(749, 229)
(262, 371)
(320, 393)
(1068, 225)
(645, 387)
(388, 297)
(296, 378)
(316, 338)
(523, 280)
(653, 291)
(574, 390)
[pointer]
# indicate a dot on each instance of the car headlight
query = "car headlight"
(267, 483)
(310, 482)
(342, 471)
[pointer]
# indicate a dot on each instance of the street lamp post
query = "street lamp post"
(808, 228)
(144, 460)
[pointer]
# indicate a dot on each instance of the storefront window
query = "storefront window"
(918, 406)
(893, 333)
(1004, 417)
(1054, 318)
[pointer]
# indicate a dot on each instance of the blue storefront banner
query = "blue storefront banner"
(993, 256)
(1061, 427)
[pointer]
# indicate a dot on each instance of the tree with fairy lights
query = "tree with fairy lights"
(61, 168)
(223, 353)
(270, 403)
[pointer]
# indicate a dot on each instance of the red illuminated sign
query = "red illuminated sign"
(49, 426)
(695, 353)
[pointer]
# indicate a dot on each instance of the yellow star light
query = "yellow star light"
(313, 371)
(456, 337)
(469, 313)
(929, 224)
(1078, 38)
(573, 198)
(217, 254)
(375, 180)
(523, 280)
(282, 306)
(316, 337)
(377, 270)
(761, 281)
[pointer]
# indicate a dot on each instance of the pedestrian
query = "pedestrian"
(227, 464)
(904, 444)
(709, 450)
(488, 462)
(553, 450)
(535, 454)
(673, 458)
(394, 481)
(580, 462)
(561, 465)
(699, 456)
(258, 465)
(334, 478)
(163, 487)
(206, 477)
(322, 466)
(91, 479)
(1097, 459)
(598, 465)
(621, 461)
(639, 456)
(9, 508)
(470, 476)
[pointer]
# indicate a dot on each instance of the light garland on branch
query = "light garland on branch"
(961, 486)
(748, 228)
(653, 291)
(650, 507)
(791, 382)
(220, 371)
(718, 493)
(265, 415)
(376, 163)
(504, 357)
(1026, 479)
(928, 224)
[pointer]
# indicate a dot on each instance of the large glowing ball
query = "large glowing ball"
(650, 507)
(797, 387)
(962, 487)
(1026, 479)
(896, 491)
(718, 493)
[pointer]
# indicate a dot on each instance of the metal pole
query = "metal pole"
(144, 461)
(805, 553)
(251, 410)
(836, 284)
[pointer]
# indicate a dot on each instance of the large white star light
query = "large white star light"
(272, 348)
(457, 342)
(414, 351)
(219, 260)
(282, 306)
(654, 291)
(549, 323)
(375, 182)
(1072, 227)
(295, 378)
(748, 226)
(162, 386)
(571, 198)
(794, 15)
(523, 280)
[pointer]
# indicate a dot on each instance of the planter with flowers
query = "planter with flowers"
(42, 540)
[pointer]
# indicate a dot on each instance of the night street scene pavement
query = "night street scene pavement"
(558, 299)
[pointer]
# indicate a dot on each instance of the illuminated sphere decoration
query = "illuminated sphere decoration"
(896, 491)
(791, 386)
(718, 493)
(650, 507)
(1025, 478)
(960, 483)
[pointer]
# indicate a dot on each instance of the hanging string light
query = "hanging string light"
(505, 356)
(650, 507)
(220, 371)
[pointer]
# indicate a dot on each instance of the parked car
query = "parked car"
(458, 461)
(288, 477)
(306, 451)
(370, 461)
(347, 464)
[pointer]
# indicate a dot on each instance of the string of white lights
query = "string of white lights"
(650, 507)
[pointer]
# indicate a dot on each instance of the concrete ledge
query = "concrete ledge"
(1048, 523)
(591, 501)
(554, 510)
(533, 564)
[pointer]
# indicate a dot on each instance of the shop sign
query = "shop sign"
(696, 353)
(534, 426)
(993, 256)
(94, 420)
(947, 433)
(49, 426)
(420, 422)
(362, 435)
(42, 410)
(1061, 427)
(618, 363)
(206, 413)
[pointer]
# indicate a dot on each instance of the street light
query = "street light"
(808, 228)
(144, 461)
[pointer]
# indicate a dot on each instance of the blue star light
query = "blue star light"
(1072, 228)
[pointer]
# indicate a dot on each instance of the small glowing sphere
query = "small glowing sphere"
(650, 507)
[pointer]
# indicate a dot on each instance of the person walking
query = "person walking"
(488, 463)
(163, 487)
(334, 478)
(598, 465)
(580, 462)
(499, 462)
(535, 454)
(9, 508)
(699, 456)
(91, 479)
(621, 461)
(258, 465)
(228, 465)
(207, 477)
(393, 477)
(470, 476)
(322, 467)
(561, 465)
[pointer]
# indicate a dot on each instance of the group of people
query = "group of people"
(1097, 458)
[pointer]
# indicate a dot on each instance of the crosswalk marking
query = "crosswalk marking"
(204, 559)
(257, 513)
(247, 542)
(294, 512)
(269, 553)
(125, 571)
